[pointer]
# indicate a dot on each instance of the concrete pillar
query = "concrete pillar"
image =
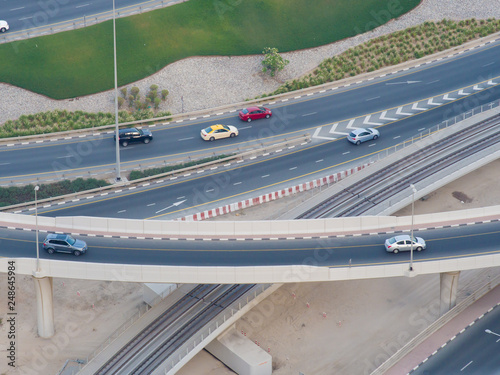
(448, 290)
(44, 305)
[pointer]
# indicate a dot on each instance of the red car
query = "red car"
(255, 113)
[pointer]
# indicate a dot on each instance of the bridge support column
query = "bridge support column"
(44, 305)
(448, 290)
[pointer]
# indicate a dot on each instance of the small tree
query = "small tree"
(153, 87)
(123, 90)
(157, 103)
(273, 62)
(120, 101)
(134, 91)
(164, 94)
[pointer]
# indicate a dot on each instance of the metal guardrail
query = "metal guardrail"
(440, 322)
(436, 128)
(287, 143)
(84, 21)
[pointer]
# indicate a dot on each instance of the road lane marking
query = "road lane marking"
(376, 97)
(185, 139)
(309, 114)
(266, 175)
(463, 368)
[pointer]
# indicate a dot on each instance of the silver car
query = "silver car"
(404, 243)
(64, 243)
(359, 135)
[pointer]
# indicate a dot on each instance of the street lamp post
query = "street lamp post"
(117, 142)
(36, 229)
(411, 230)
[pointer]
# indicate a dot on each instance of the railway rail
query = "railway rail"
(387, 182)
(150, 348)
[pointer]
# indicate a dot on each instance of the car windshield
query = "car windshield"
(71, 240)
(244, 111)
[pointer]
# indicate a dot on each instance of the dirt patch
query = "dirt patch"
(462, 197)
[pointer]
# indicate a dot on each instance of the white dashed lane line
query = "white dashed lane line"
(291, 169)
(376, 97)
(186, 139)
(345, 153)
(319, 161)
(237, 183)
(309, 114)
(119, 212)
(396, 137)
(181, 197)
(246, 127)
(151, 204)
(266, 175)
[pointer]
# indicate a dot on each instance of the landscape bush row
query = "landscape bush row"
(14, 194)
(62, 120)
(392, 49)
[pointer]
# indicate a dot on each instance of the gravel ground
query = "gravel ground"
(204, 82)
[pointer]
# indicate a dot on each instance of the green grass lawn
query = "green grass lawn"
(80, 62)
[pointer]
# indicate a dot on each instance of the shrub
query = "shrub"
(123, 90)
(135, 92)
(164, 94)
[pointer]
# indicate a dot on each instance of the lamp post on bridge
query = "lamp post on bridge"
(414, 190)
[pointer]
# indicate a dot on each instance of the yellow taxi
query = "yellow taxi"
(219, 131)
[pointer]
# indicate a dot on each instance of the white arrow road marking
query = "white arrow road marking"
(399, 112)
(382, 117)
(402, 83)
(172, 205)
(461, 92)
(446, 97)
(417, 108)
(430, 102)
(366, 121)
(490, 82)
(316, 135)
(476, 87)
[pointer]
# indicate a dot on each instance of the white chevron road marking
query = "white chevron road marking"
(461, 92)
(383, 117)
(349, 125)
(417, 108)
(367, 121)
(431, 102)
(316, 135)
(446, 97)
(401, 113)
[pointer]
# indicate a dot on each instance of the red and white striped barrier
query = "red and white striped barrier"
(272, 196)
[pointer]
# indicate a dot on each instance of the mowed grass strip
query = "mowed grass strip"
(80, 62)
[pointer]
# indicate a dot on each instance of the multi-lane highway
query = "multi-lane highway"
(335, 251)
(30, 14)
(472, 352)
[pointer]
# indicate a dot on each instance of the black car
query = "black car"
(64, 243)
(130, 135)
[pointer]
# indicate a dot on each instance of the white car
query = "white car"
(359, 135)
(4, 26)
(404, 243)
